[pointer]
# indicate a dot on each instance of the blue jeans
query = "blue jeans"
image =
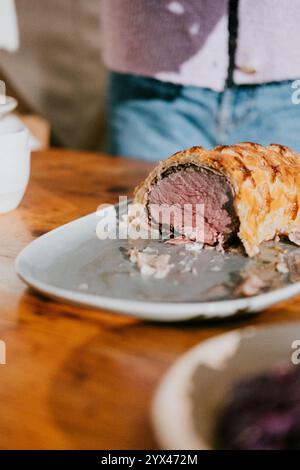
(150, 119)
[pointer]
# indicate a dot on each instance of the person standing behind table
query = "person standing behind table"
(197, 72)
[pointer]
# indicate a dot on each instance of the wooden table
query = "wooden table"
(79, 378)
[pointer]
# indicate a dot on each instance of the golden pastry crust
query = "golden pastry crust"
(265, 182)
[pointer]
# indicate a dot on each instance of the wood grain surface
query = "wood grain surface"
(77, 378)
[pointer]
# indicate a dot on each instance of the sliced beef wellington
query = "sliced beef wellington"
(245, 189)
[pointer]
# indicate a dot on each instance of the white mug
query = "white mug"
(14, 163)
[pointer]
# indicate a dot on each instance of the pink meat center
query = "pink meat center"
(196, 201)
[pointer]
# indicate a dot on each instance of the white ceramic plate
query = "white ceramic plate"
(192, 392)
(72, 264)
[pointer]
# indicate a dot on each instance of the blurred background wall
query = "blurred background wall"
(58, 72)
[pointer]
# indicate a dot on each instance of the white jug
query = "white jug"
(14, 161)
